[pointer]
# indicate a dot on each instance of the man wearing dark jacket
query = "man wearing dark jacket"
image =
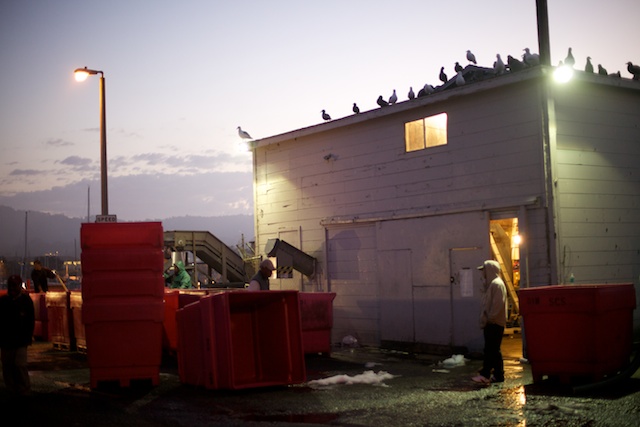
(17, 320)
(39, 276)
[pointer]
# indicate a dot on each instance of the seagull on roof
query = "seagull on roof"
(460, 79)
(381, 102)
(634, 70)
(393, 98)
(589, 66)
(355, 108)
(602, 71)
(514, 64)
(243, 134)
(411, 94)
(471, 57)
(569, 60)
(458, 67)
(325, 116)
(443, 76)
(499, 66)
(531, 59)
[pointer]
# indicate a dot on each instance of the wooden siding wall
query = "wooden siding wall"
(493, 158)
(597, 171)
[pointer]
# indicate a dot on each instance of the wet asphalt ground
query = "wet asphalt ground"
(422, 392)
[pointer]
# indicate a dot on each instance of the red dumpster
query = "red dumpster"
(316, 313)
(578, 331)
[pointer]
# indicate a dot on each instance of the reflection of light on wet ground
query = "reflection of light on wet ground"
(515, 399)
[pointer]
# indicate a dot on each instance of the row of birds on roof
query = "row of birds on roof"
(475, 73)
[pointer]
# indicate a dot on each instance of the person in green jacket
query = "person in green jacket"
(181, 279)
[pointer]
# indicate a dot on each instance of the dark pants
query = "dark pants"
(492, 355)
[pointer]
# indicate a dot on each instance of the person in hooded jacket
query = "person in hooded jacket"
(17, 321)
(181, 279)
(493, 320)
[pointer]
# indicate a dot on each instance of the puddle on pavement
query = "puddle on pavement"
(293, 418)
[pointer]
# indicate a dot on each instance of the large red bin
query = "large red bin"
(60, 322)
(249, 339)
(316, 313)
(124, 340)
(175, 299)
(578, 331)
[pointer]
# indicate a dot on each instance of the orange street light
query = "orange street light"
(81, 75)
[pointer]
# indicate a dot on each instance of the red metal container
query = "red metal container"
(124, 340)
(576, 331)
(316, 313)
(249, 339)
(60, 323)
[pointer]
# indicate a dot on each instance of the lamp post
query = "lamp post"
(81, 75)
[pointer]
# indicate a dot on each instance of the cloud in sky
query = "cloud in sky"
(146, 196)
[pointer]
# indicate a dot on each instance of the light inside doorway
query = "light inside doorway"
(505, 248)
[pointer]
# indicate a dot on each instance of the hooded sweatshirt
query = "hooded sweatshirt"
(494, 307)
(181, 279)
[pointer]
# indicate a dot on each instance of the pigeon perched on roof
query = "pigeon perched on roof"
(602, 71)
(616, 75)
(569, 60)
(411, 94)
(515, 64)
(393, 98)
(589, 66)
(325, 116)
(355, 108)
(499, 66)
(458, 67)
(531, 59)
(471, 57)
(426, 90)
(381, 102)
(243, 134)
(443, 76)
(634, 70)
(460, 79)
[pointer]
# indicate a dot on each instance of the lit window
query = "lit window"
(425, 133)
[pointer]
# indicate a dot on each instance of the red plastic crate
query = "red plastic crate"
(316, 314)
(124, 340)
(121, 234)
(75, 303)
(192, 367)
(175, 299)
(60, 323)
(576, 331)
(121, 283)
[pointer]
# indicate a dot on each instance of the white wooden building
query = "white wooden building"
(400, 204)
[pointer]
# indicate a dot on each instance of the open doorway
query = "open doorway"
(505, 248)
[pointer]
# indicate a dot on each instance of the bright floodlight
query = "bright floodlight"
(81, 74)
(563, 74)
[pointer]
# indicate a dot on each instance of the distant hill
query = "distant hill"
(60, 234)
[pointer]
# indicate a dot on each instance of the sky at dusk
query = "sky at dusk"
(182, 76)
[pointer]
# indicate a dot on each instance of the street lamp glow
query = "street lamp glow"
(81, 75)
